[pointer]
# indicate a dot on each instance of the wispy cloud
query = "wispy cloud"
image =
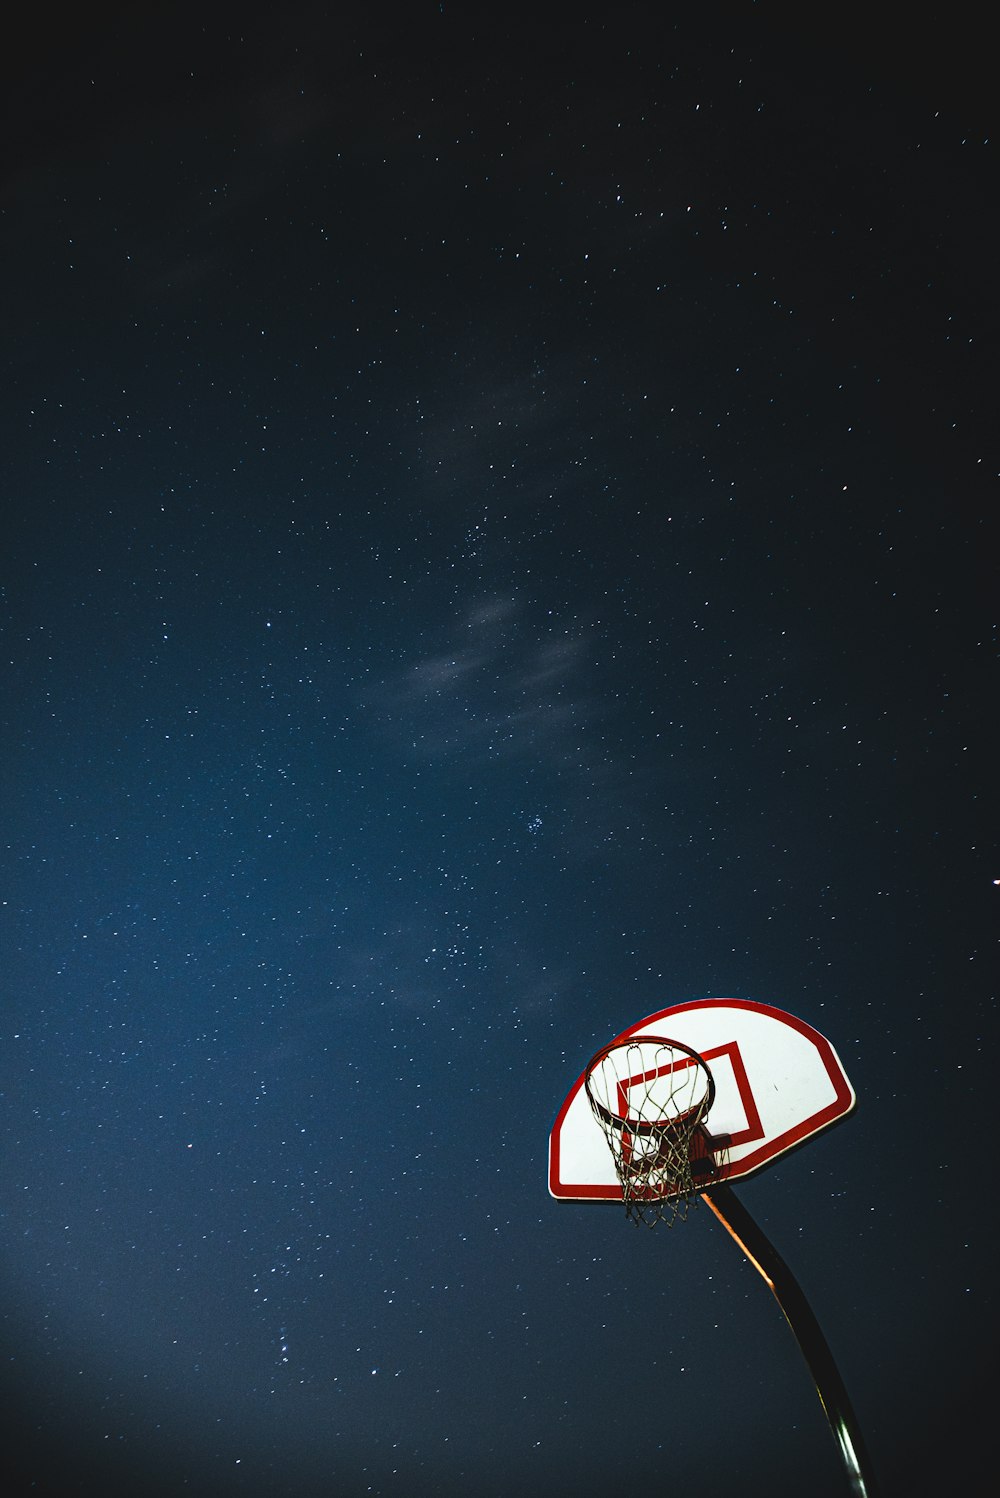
(497, 684)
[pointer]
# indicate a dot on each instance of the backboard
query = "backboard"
(777, 1082)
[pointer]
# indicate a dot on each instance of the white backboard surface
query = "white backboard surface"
(778, 1081)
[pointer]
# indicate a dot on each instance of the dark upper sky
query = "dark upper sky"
(495, 543)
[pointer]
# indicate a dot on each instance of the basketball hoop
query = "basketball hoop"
(650, 1097)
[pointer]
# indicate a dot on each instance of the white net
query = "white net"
(650, 1097)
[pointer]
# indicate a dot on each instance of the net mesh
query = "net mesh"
(650, 1097)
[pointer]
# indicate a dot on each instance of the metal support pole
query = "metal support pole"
(796, 1310)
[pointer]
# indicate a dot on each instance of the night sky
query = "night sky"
(495, 543)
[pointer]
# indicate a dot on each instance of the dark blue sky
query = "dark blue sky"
(495, 544)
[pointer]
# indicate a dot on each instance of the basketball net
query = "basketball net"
(650, 1097)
